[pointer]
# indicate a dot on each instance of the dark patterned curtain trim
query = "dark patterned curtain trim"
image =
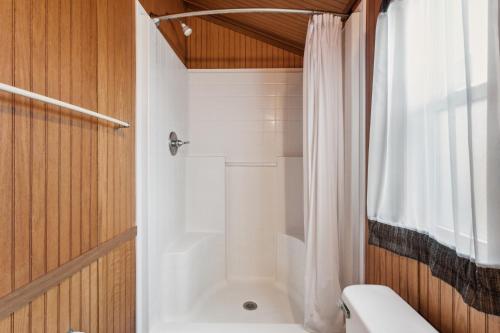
(479, 286)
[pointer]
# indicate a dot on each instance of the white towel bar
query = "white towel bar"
(48, 100)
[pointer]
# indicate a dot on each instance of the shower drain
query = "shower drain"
(250, 306)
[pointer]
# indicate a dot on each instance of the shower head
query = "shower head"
(186, 29)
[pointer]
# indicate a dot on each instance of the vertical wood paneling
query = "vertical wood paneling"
(446, 310)
(22, 147)
(52, 319)
(87, 100)
(133, 283)
(64, 306)
(75, 303)
(395, 273)
(22, 320)
(128, 292)
(85, 302)
(102, 295)
(436, 300)
(493, 324)
(382, 267)
(6, 151)
(376, 265)
(388, 269)
(76, 299)
(6, 325)
(110, 68)
(53, 132)
(103, 132)
(22, 157)
(460, 314)
(57, 200)
(423, 289)
(38, 315)
(65, 135)
(413, 283)
(477, 321)
(38, 141)
(215, 46)
(94, 298)
(76, 129)
(110, 292)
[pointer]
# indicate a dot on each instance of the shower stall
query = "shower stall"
(221, 232)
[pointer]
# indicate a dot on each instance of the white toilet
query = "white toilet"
(378, 309)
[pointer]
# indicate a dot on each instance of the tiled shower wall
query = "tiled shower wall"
(245, 115)
(161, 108)
(252, 118)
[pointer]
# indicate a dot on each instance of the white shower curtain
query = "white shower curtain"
(323, 172)
(434, 151)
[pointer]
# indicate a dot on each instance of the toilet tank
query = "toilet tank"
(378, 309)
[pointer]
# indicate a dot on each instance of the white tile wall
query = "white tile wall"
(167, 112)
(205, 194)
(251, 116)
(161, 107)
(245, 115)
(199, 219)
(251, 227)
(290, 197)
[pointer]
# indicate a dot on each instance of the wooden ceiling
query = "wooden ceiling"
(287, 31)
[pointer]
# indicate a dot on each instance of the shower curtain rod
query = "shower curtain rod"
(244, 11)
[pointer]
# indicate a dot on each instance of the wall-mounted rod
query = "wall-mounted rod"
(48, 100)
(245, 11)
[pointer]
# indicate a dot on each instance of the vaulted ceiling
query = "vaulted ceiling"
(284, 30)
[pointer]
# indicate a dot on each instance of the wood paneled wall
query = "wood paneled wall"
(433, 298)
(66, 182)
(437, 301)
(98, 298)
(214, 46)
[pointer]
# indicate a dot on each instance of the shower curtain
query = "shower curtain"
(323, 172)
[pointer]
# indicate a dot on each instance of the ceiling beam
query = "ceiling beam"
(248, 30)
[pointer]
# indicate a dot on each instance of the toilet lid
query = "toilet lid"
(380, 309)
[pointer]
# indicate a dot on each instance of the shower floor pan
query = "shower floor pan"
(221, 310)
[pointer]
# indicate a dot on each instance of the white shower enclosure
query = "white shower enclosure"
(221, 222)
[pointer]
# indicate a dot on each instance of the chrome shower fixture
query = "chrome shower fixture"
(186, 29)
(175, 143)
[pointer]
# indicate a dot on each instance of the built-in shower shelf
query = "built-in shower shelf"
(252, 164)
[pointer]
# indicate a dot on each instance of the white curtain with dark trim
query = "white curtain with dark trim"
(323, 172)
(434, 159)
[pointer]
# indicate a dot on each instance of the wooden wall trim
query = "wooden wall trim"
(24, 295)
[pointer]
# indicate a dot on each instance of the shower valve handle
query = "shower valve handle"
(179, 143)
(175, 143)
